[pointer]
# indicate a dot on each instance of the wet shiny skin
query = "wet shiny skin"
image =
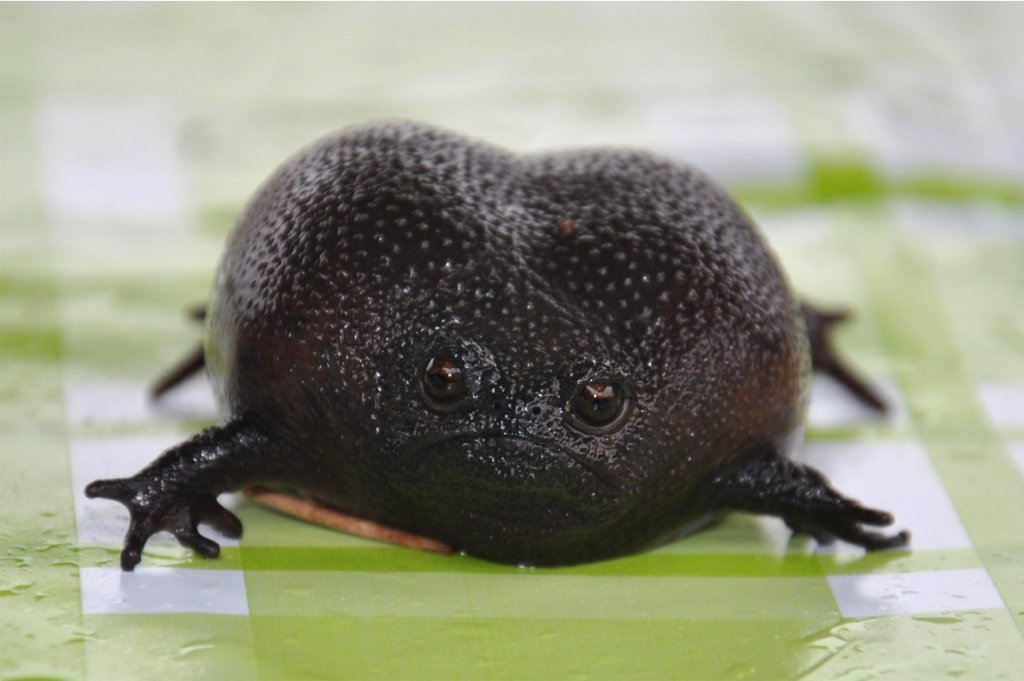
(374, 252)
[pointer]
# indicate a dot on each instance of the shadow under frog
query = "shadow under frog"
(541, 360)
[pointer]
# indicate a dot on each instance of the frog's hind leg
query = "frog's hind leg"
(191, 364)
(824, 358)
(179, 490)
(768, 483)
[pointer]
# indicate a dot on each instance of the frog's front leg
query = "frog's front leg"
(768, 483)
(179, 490)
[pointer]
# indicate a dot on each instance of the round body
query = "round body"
(536, 359)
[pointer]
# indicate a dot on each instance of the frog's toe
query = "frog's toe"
(822, 536)
(130, 557)
(222, 520)
(207, 548)
(876, 541)
(179, 516)
(139, 531)
(119, 489)
(846, 520)
(869, 516)
(855, 533)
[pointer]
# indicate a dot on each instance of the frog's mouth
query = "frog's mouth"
(506, 488)
(504, 455)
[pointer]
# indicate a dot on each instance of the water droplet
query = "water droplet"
(193, 647)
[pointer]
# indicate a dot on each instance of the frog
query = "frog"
(536, 359)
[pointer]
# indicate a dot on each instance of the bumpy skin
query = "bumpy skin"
(376, 250)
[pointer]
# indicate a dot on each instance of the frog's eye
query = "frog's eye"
(443, 384)
(597, 407)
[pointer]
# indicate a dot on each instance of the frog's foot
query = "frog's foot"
(771, 484)
(824, 358)
(156, 507)
(179, 490)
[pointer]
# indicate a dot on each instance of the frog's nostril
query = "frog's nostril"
(502, 407)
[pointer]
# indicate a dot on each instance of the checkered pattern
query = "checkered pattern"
(880, 148)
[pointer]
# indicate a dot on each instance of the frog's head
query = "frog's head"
(522, 429)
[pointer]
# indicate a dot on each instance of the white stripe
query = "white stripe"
(1016, 450)
(832, 405)
(736, 138)
(1003, 404)
(110, 402)
(103, 161)
(954, 140)
(969, 223)
(914, 593)
(107, 591)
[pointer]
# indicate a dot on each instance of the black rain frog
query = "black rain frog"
(541, 360)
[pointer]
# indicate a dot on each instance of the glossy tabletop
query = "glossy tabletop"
(879, 147)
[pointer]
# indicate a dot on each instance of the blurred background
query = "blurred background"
(879, 146)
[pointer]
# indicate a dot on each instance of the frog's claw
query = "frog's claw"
(155, 507)
(772, 484)
(819, 324)
(179, 490)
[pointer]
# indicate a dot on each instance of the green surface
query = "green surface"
(99, 296)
